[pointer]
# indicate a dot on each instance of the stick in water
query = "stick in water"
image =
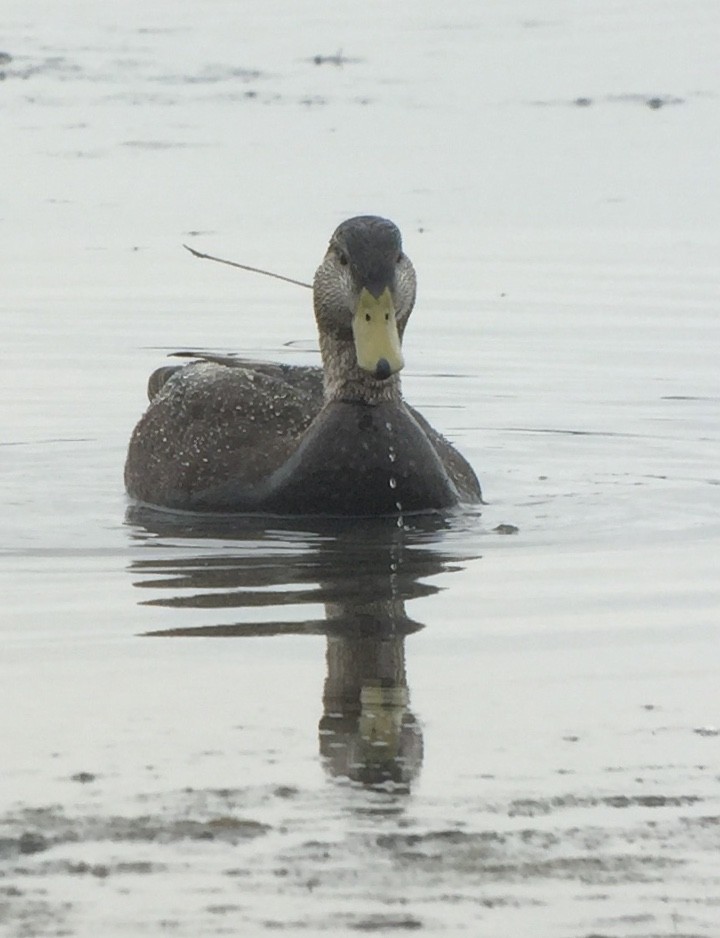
(254, 270)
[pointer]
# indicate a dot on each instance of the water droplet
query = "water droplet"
(388, 425)
(393, 482)
(398, 505)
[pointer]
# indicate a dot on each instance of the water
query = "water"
(440, 726)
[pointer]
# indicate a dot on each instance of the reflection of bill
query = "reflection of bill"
(367, 732)
(359, 574)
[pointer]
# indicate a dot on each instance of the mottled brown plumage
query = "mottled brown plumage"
(228, 435)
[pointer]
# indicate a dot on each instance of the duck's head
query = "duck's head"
(364, 292)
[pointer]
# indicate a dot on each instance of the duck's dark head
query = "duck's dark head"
(364, 292)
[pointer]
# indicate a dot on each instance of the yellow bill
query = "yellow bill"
(377, 343)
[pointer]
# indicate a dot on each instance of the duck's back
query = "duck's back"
(210, 423)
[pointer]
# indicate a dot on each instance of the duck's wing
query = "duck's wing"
(307, 380)
(209, 422)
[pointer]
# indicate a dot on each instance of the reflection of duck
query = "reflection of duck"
(368, 733)
(226, 435)
(270, 582)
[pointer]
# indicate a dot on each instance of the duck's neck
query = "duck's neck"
(344, 379)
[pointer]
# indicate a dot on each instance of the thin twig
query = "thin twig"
(255, 270)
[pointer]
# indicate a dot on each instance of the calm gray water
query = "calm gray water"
(257, 727)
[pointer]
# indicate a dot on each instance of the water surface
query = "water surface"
(323, 729)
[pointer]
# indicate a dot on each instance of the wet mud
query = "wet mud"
(595, 865)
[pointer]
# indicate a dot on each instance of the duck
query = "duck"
(227, 435)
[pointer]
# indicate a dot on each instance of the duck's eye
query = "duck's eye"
(343, 259)
(399, 257)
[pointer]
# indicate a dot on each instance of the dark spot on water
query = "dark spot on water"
(655, 102)
(649, 801)
(32, 842)
(224, 908)
(100, 870)
(386, 922)
(506, 529)
(83, 777)
(338, 59)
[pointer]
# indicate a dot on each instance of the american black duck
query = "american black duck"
(223, 434)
